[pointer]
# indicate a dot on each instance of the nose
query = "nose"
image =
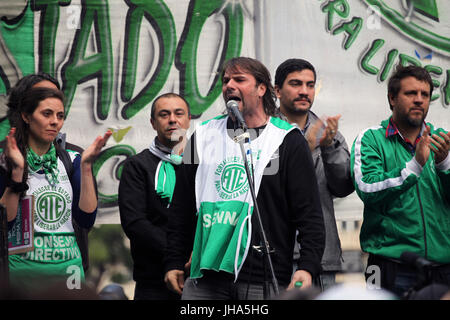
(55, 120)
(419, 98)
(229, 86)
(303, 89)
(172, 118)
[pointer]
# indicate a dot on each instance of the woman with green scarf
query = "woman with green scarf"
(31, 167)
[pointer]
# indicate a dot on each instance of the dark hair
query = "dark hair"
(24, 85)
(402, 72)
(289, 66)
(168, 95)
(260, 73)
(27, 105)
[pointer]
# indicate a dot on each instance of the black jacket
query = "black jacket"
(288, 200)
(143, 215)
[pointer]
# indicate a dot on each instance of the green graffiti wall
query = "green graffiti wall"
(113, 58)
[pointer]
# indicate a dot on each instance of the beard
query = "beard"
(415, 121)
(291, 108)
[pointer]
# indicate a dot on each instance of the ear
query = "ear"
(25, 117)
(153, 123)
(277, 91)
(391, 99)
(261, 89)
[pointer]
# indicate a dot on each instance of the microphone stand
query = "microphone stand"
(265, 247)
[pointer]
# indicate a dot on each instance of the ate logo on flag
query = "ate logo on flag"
(231, 179)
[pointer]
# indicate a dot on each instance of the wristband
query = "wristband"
(17, 187)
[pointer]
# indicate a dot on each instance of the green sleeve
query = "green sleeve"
(375, 184)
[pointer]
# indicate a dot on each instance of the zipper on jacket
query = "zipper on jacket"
(423, 221)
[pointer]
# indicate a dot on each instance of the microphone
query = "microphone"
(413, 259)
(233, 108)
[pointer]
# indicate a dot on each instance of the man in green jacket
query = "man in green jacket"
(401, 171)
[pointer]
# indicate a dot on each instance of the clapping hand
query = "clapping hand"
(328, 133)
(13, 153)
(440, 145)
(423, 147)
(90, 154)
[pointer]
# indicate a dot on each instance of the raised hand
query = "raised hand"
(90, 154)
(423, 147)
(88, 199)
(13, 153)
(326, 136)
(440, 145)
(330, 131)
(312, 135)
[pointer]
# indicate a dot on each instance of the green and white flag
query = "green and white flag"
(224, 203)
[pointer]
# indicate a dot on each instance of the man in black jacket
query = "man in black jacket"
(212, 201)
(145, 193)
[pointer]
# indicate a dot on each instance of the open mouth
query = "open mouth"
(233, 98)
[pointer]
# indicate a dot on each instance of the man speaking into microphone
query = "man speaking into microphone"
(212, 212)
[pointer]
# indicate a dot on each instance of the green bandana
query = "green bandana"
(48, 162)
(165, 180)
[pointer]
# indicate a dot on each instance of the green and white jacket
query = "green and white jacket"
(406, 206)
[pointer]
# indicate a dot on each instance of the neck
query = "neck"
(175, 147)
(166, 147)
(408, 132)
(39, 148)
(297, 118)
(255, 118)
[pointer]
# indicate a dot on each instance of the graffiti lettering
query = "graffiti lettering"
(79, 68)
(413, 30)
(404, 60)
(116, 151)
(91, 55)
(159, 16)
(352, 28)
(198, 13)
(48, 28)
(342, 9)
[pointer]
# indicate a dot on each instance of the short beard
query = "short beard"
(415, 122)
(296, 112)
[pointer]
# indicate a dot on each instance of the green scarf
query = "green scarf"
(48, 162)
(165, 173)
(165, 180)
